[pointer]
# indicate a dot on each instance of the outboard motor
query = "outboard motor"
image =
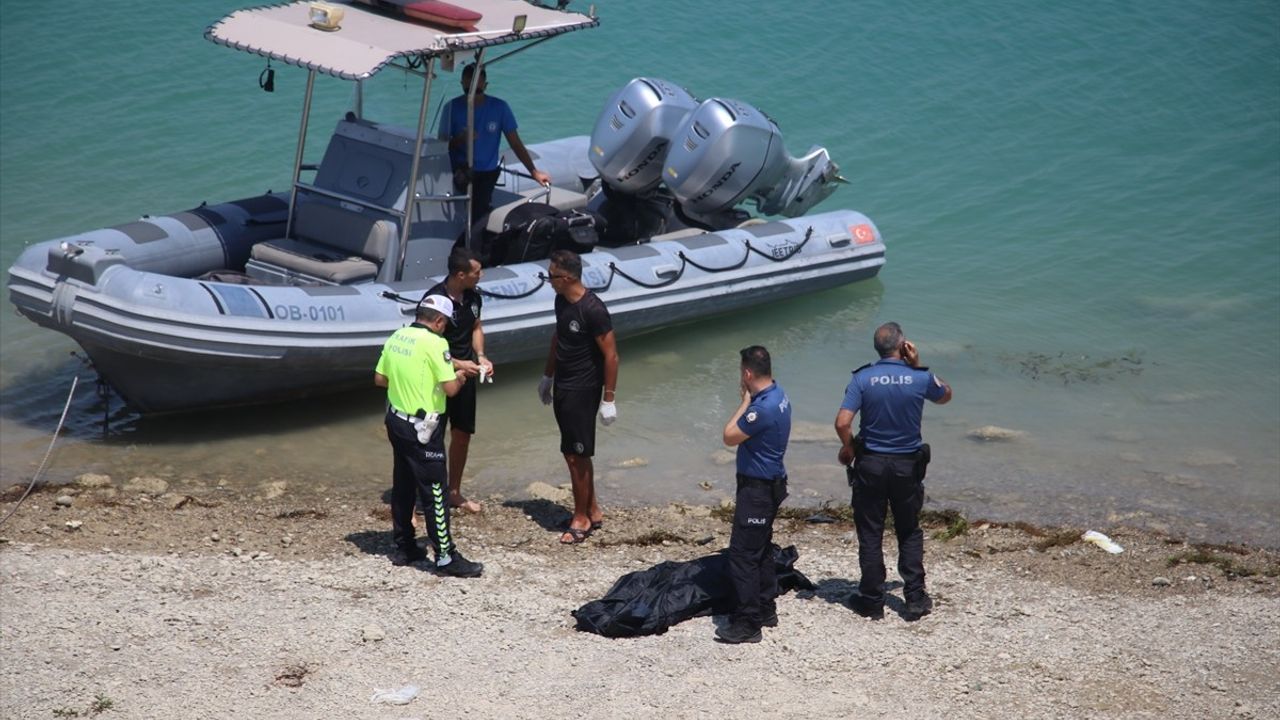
(727, 152)
(633, 133)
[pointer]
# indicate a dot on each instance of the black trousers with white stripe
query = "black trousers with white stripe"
(419, 473)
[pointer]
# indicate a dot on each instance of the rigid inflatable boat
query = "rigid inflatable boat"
(289, 294)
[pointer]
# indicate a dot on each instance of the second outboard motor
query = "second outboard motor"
(634, 131)
(727, 152)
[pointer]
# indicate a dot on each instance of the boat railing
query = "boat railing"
(397, 212)
(343, 197)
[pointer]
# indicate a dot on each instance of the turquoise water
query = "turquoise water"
(1081, 206)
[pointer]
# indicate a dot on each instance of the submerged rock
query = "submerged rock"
(1209, 458)
(542, 491)
(174, 501)
(995, 433)
(274, 489)
(804, 431)
(146, 486)
(1186, 481)
(635, 462)
(93, 480)
(723, 457)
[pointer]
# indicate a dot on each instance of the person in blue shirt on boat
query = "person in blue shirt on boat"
(889, 460)
(760, 428)
(493, 120)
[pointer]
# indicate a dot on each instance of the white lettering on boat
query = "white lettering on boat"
(314, 313)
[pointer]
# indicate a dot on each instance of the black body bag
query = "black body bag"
(647, 602)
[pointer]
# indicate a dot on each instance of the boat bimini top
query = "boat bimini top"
(355, 40)
(370, 36)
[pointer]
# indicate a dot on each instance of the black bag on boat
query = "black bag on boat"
(647, 602)
(580, 230)
(533, 230)
(512, 243)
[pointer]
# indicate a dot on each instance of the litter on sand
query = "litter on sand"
(1102, 541)
(403, 696)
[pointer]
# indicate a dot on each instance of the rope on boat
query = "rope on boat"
(54, 439)
(614, 271)
(685, 261)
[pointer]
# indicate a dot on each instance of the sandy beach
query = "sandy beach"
(123, 599)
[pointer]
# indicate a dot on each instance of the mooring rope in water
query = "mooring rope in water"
(40, 470)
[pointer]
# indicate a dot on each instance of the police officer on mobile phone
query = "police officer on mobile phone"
(760, 429)
(889, 460)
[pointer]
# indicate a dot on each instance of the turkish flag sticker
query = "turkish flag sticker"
(862, 234)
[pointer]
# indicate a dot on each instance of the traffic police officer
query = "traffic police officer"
(889, 460)
(416, 369)
(760, 429)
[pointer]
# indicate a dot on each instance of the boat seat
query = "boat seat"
(331, 244)
(561, 199)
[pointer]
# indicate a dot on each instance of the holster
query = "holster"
(922, 461)
(859, 449)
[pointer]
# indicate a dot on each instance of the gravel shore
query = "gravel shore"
(141, 603)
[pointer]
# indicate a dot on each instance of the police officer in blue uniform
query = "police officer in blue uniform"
(760, 428)
(889, 460)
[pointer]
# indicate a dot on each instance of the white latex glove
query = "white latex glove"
(608, 413)
(544, 390)
(426, 427)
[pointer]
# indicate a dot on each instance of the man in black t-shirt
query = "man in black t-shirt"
(583, 368)
(466, 345)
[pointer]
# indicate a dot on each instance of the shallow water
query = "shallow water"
(1081, 206)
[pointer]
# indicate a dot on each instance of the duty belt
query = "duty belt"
(914, 454)
(403, 416)
(766, 482)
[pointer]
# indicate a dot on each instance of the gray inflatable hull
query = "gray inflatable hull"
(169, 341)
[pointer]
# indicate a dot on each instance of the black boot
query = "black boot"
(866, 608)
(407, 555)
(918, 607)
(739, 631)
(769, 615)
(460, 567)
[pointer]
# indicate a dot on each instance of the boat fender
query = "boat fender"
(63, 301)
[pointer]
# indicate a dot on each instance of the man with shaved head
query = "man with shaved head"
(889, 459)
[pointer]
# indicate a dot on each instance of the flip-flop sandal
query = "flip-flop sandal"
(578, 536)
(596, 525)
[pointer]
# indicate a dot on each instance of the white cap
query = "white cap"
(439, 303)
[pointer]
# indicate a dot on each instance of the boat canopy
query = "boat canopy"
(368, 40)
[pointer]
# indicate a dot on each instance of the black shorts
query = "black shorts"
(460, 410)
(576, 415)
